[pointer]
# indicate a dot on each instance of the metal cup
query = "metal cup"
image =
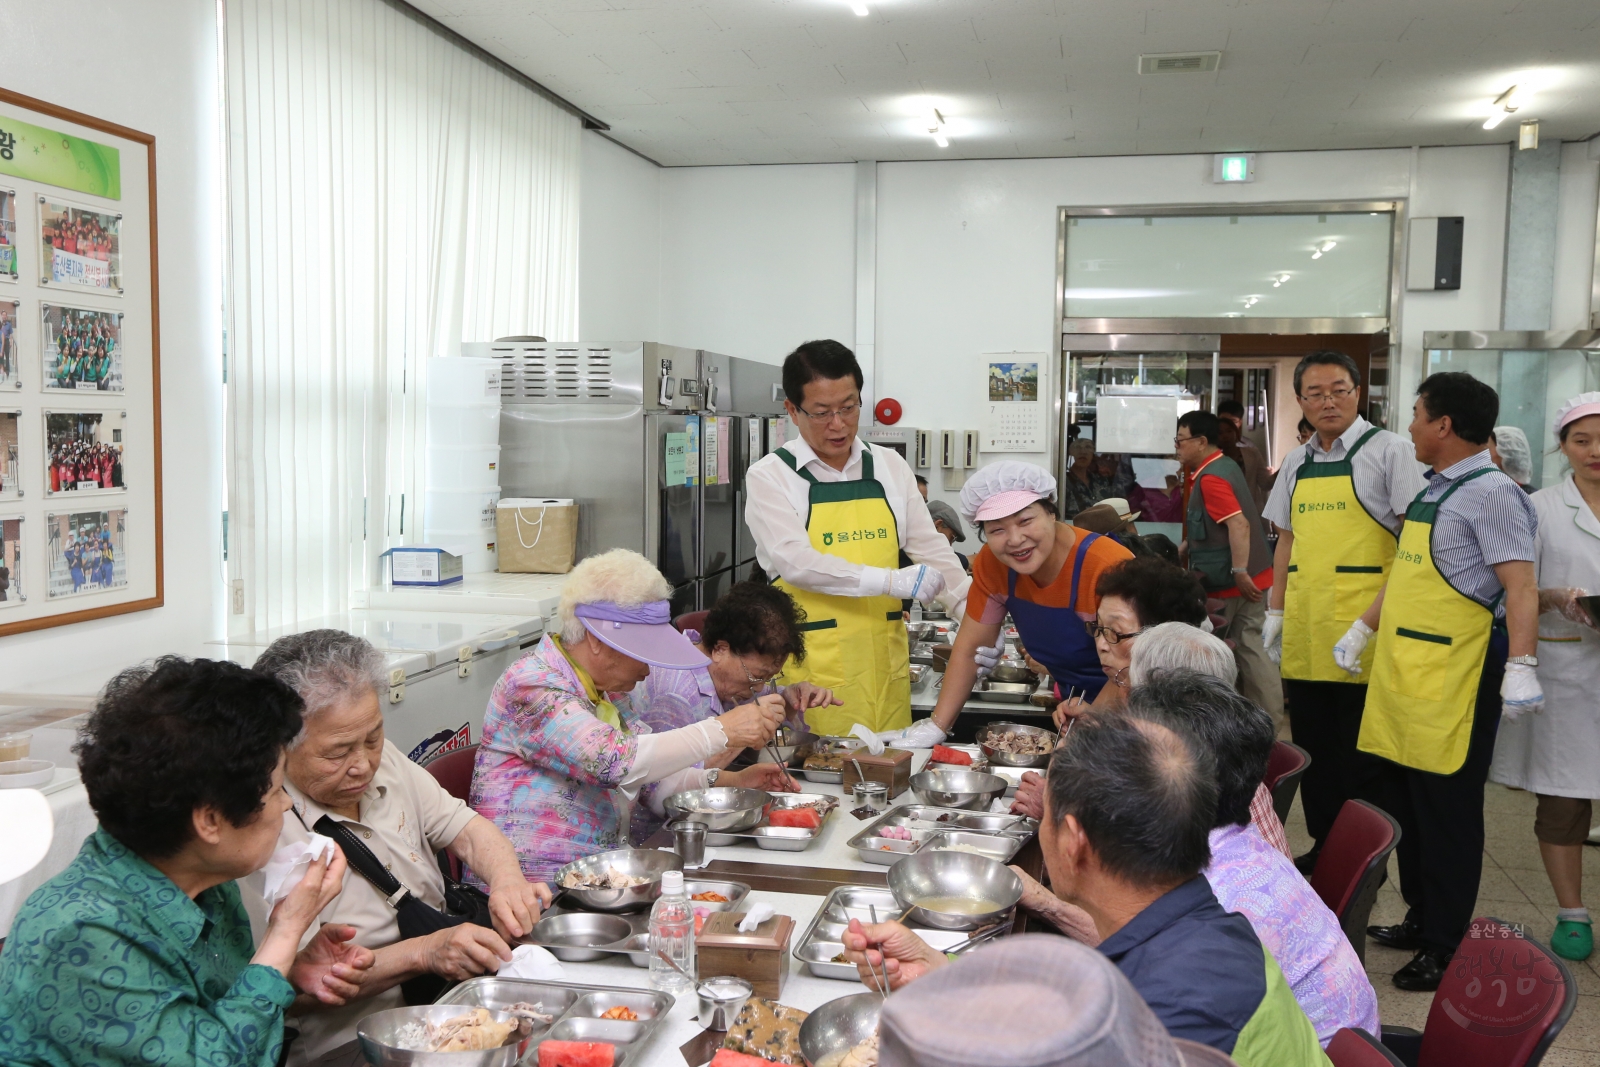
(873, 795)
(721, 1000)
(689, 841)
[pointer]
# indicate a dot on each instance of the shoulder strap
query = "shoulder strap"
(360, 857)
(788, 459)
(1363, 439)
(1077, 569)
(866, 462)
(1480, 472)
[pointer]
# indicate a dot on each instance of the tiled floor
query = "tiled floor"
(1514, 888)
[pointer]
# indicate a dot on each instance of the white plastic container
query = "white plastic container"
(468, 467)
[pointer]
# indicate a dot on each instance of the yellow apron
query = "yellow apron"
(1432, 640)
(1341, 558)
(855, 646)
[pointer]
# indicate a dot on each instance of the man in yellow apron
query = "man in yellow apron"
(1440, 674)
(830, 515)
(1338, 504)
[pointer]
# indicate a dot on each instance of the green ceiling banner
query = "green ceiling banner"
(56, 158)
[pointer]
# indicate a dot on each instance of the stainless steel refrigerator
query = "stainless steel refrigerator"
(653, 443)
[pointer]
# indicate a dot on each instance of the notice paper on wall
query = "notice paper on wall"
(1014, 408)
(677, 449)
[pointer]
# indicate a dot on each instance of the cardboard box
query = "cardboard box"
(423, 565)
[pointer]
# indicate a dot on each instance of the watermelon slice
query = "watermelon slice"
(804, 817)
(726, 1057)
(576, 1054)
(945, 754)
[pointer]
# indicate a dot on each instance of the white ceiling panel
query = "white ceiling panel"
(697, 82)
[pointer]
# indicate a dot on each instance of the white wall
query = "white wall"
(619, 246)
(754, 259)
(154, 69)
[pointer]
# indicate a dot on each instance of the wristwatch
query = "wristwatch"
(1530, 661)
(1241, 570)
(712, 775)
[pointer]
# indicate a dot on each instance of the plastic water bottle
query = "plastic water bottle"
(672, 932)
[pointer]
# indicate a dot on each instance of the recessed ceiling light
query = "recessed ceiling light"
(859, 8)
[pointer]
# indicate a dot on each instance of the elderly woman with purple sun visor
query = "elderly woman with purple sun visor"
(565, 753)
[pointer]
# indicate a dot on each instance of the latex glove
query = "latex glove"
(1272, 634)
(874, 742)
(1564, 602)
(1347, 653)
(924, 733)
(987, 657)
(916, 582)
(1520, 691)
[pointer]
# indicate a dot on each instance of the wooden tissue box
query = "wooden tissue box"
(893, 769)
(760, 957)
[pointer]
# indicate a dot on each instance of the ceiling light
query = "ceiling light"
(1329, 246)
(859, 8)
(1317, 254)
(1504, 104)
(936, 128)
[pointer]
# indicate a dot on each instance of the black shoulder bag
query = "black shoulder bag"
(462, 904)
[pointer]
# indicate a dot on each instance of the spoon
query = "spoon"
(675, 966)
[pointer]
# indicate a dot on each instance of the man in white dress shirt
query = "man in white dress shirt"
(831, 515)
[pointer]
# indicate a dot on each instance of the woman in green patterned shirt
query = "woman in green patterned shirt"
(140, 951)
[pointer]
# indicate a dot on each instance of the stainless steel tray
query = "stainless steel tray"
(923, 822)
(638, 923)
(577, 1009)
(822, 940)
(782, 838)
(998, 847)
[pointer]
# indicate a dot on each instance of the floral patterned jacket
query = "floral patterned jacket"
(547, 768)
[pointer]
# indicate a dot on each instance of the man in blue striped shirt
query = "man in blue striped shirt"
(1460, 596)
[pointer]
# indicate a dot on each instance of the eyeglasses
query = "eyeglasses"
(758, 681)
(846, 413)
(1112, 637)
(1337, 396)
(1180, 440)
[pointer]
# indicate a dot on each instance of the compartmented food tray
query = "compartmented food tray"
(577, 1011)
(924, 822)
(823, 939)
(782, 838)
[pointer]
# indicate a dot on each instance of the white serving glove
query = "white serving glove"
(924, 733)
(987, 657)
(1520, 692)
(1347, 653)
(916, 582)
(1272, 634)
(874, 742)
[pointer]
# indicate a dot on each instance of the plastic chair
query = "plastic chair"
(691, 620)
(1357, 1048)
(1285, 767)
(453, 771)
(1352, 866)
(1503, 1000)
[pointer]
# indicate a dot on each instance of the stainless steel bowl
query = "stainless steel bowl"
(993, 888)
(1591, 604)
(1007, 672)
(999, 758)
(952, 788)
(839, 1026)
(919, 631)
(649, 863)
(376, 1033)
(724, 809)
(577, 935)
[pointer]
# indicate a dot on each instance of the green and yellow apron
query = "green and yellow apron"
(1432, 641)
(855, 646)
(1340, 559)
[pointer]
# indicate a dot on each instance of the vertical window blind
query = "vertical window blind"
(390, 194)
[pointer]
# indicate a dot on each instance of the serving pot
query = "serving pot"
(636, 862)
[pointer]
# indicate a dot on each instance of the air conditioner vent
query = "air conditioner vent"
(1180, 63)
(555, 374)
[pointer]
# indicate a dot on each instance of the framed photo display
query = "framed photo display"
(80, 369)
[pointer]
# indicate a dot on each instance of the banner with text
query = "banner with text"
(70, 268)
(59, 159)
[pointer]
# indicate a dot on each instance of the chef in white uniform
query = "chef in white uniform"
(1555, 753)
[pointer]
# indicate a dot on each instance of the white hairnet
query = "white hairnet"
(1515, 453)
(1011, 476)
(1579, 407)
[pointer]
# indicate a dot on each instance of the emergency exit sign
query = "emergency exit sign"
(1236, 168)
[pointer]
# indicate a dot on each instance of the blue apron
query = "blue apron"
(1056, 637)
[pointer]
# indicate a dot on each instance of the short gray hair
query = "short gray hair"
(325, 667)
(1179, 646)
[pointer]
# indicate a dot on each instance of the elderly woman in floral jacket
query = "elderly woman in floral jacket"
(565, 753)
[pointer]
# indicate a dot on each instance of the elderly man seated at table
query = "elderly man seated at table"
(1129, 808)
(1030, 1001)
(1176, 646)
(1248, 875)
(749, 635)
(140, 951)
(342, 771)
(565, 750)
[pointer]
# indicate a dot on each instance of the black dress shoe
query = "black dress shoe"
(1406, 935)
(1423, 973)
(1307, 863)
